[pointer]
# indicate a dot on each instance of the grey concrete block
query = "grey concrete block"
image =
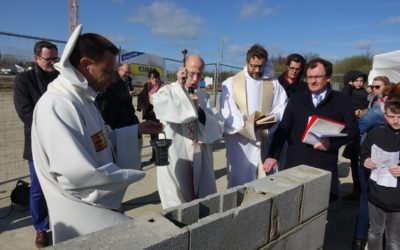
(232, 198)
(150, 232)
(316, 187)
(244, 227)
(209, 205)
(308, 235)
(184, 214)
(286, 202)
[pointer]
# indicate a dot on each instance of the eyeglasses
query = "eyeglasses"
(294, 69)
(317, 78)
(50, 59)
(375, 86)
(193, 74)
(255, 66)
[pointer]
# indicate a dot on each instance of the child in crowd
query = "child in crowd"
(384, 199)
(354, 86)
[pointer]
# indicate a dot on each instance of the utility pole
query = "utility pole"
(73, 14)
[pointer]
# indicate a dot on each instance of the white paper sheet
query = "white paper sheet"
(383, 160)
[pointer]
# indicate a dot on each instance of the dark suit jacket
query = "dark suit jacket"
(115, 105)
(335, 106)
(29, 86)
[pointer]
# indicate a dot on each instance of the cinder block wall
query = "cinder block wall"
(286, 210)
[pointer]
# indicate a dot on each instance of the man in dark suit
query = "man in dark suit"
(319, 100)
(29, 86)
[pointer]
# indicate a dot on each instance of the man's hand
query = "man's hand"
(150, 127)
(323, 145)
(269, 164)
(358, 112)
(181, 76)
(369, 163)
(395, 170)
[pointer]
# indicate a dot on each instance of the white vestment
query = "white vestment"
(190, 174)
(243, 154)
(83, 169)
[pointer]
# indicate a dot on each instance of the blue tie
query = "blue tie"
(318, 98)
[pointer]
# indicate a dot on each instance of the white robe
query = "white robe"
(190, 174)
(243, 155)
(79, 162)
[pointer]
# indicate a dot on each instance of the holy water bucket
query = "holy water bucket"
(161, 150)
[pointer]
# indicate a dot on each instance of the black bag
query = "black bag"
(20, 194)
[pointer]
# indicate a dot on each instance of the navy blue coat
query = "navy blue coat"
(335, 106)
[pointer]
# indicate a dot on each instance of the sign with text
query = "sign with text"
(141, 63)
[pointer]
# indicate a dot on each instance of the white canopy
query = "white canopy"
(387, 64)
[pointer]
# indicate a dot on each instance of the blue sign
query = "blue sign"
(126, 56)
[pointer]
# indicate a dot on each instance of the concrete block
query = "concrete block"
(244, 227)
(286, 202)
(150, 232)
(232, 198)
(316, 187)
(184, 214)
(308, 235)
(209, 205)
(188, 213)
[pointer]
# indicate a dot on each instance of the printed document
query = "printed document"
(383, 160)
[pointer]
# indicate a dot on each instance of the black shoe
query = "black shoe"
(359, 244)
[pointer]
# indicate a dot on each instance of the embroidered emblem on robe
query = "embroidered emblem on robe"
(99, 141)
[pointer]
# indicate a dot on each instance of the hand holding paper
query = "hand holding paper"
(257, 121)
(320, 127)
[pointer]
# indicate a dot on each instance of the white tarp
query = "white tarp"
(387, 64)
(140, 63)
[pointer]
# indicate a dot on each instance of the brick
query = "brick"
(244, 227)
(151, 232)
(316, 187)
(286, 202)
(308, 235)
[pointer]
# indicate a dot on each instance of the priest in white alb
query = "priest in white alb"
(83, 167)
(250, 91)
(194, 125)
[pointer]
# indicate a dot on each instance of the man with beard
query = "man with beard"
(249, 91)
(28, 88)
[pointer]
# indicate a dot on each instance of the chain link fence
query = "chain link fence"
(16, 48)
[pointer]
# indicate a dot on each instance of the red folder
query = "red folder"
(319, 127)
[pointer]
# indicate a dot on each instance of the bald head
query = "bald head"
(194, 66)
(195, 59)
(123, 71)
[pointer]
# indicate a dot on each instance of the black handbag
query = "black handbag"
(20, 194)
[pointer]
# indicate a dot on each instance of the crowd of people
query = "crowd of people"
(83, 139)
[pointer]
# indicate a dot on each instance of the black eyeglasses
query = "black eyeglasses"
(50, 59)
(375, 86)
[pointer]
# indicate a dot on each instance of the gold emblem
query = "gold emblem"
(99, 141)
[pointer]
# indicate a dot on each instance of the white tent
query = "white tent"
(387, 64)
